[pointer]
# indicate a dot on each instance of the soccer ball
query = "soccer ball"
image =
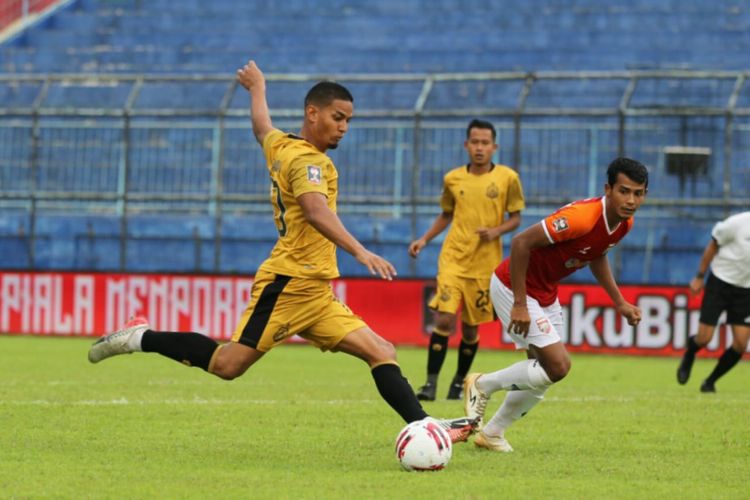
(423, 445)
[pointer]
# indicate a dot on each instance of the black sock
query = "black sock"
(397, 392)
(728, 359)
(191, 349)
(436, 354)
(692, 347)
(466, 353)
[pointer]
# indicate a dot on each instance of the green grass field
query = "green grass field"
(302, 424)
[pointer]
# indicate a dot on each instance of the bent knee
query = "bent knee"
(558, 371)
(228, 370)
(445, 323)
(387, 351)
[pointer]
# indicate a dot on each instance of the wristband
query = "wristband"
(699, 275)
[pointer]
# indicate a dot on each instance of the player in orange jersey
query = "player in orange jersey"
(524, 293)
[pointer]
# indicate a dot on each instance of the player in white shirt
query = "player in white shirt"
(727, 289)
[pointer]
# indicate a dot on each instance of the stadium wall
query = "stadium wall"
(90, 304)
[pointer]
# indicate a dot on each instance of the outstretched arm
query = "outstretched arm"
(251, 77)
(327, 223)
(603, 274)
(438, 226)
(696, 284)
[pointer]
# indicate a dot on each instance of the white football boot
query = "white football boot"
(117, 342)
(475, 401)
(494, 443)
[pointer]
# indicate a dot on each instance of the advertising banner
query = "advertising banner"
(91, 304)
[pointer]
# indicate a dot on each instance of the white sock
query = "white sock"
(134, 342)
(516, 405)
(527, 374)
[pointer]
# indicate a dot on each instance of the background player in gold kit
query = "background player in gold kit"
(475, 200)
(292, 294)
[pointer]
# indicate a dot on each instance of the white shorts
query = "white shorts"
(546, 322)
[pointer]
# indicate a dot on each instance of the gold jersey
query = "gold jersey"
(476, 201)
(297, 167)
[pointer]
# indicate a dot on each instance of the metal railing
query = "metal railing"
(181, 144)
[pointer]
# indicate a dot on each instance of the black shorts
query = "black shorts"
(720, 296)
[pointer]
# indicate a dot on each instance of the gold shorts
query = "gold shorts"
(473, 293)
(281, 306)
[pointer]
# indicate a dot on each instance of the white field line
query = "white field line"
(198, 401)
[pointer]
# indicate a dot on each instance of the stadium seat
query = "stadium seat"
(389, 36)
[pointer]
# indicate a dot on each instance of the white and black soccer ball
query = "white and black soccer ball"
(423, 445)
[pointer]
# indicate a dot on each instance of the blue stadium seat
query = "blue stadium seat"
(133, 36)
(411, 36)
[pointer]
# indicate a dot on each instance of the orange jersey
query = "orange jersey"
(578, 233)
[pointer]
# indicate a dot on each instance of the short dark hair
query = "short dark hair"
(475, 123)
(633, 170)
(323, 93)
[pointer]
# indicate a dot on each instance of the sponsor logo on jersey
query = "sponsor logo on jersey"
(585, 250)
(560, 224)
(313, 174)
(281, 333)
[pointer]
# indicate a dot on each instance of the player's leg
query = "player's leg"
(188, 348)
(380, 355)
(253, 336)
(523, 394)
(712, 305)
(467, 350)
(694, 344)
(393, 387)
(338, 329)
(730, 357)
(527, 381)
(445, 303)
(477, 309)
(515, 405)
(738, 315)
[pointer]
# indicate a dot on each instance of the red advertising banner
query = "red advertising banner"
(91, 304)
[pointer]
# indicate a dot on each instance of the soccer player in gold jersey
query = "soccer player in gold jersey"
(475, 199)
(292, 293)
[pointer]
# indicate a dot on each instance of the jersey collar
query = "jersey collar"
(604, 215)
(468, 167)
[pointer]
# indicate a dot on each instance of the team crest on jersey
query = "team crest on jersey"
(276, 166)
(492, 191)
(544, 325)
(560, 225)
(313, 174)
